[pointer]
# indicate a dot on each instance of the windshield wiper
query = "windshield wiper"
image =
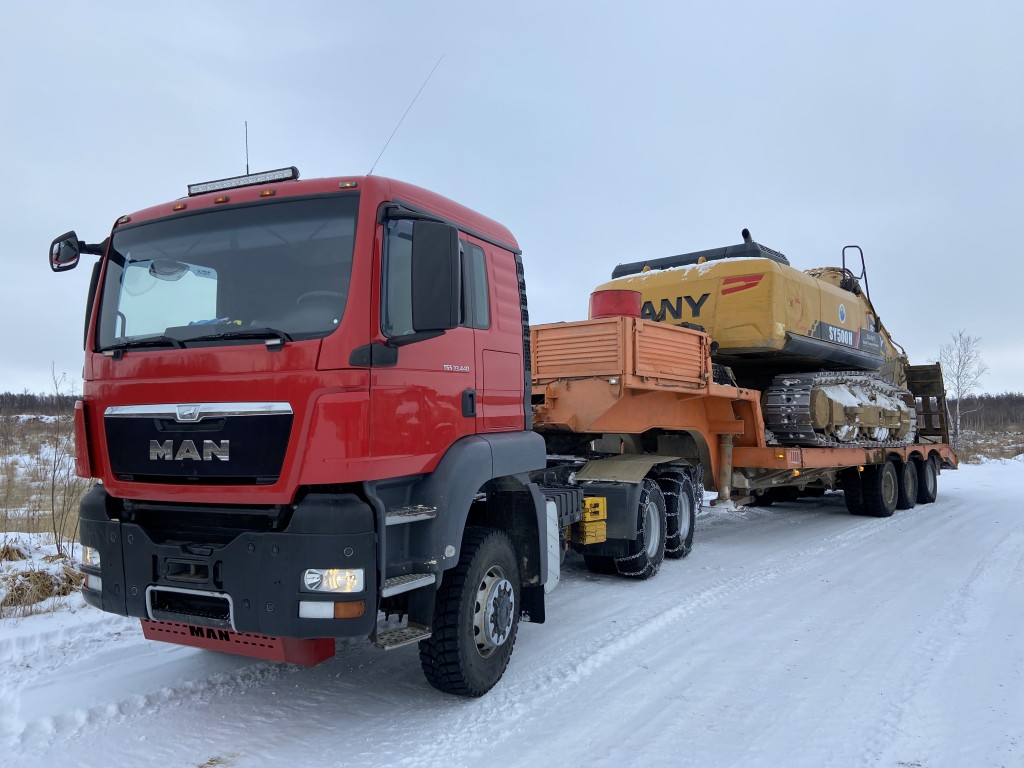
(244, 333)
(149, 341)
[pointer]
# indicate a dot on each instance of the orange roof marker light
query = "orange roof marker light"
(290, 173)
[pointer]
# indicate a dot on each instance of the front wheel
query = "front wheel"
(476, 617)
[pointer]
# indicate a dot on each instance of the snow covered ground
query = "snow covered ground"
(795, 635)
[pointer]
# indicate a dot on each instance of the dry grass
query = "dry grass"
(11, 552)
(28, 588)
(39, 491)
(993, 445)
(26, 585)
(39, 494)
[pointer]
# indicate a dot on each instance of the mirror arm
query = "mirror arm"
(412, 338)
(94, 249)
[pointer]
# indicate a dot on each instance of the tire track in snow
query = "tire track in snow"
(529, 692)
(34, 714)
(945, 637)
(26, 736)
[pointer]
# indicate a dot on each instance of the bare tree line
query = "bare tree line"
(28, 403)
(992, 413)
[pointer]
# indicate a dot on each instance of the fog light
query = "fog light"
(94, 583)
(90, 557)
(315, 610)
(333, 579)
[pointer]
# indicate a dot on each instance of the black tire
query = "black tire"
(765, 499)
(853, 490)
(476, 617)
(603, 564)
(881, 489)
(927, 482)
(647, 551)
(680, 513)
(906, 496)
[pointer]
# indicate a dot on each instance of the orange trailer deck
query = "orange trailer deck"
(631, 377)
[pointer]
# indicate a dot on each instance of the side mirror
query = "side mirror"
(65, 252)
(436, 276)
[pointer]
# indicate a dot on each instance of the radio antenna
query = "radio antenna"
(403, 116)
(246, 147)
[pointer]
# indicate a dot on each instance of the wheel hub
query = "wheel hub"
(652, 528)
(494, 611)
(684, 517)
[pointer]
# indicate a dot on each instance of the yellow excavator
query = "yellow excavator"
(811, 342)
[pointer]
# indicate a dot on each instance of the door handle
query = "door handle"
(469, 403)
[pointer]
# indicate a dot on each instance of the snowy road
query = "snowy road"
(793, 636)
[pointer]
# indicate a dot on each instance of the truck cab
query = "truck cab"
(307, 403)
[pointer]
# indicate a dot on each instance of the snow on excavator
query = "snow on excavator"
(811, 342)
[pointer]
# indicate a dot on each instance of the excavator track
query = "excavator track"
(839, 408)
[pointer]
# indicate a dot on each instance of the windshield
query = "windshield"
(274, 269)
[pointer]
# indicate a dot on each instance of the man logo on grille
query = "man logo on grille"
(187, 450)
(188, 413)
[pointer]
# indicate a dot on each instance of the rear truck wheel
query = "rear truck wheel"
(647, 551)
(476, 617)
(853, 490)
(881, 489)
(906, 496)
(680, 513)
(927, 482)
(604, 564)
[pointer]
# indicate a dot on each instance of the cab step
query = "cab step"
(401, 515)
(396, 585)
(390, 639)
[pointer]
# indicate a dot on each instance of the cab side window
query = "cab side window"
(476, 311)
(396, 292)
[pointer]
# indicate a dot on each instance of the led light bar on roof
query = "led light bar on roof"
(281, 174)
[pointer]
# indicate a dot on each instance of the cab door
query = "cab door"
(422, 393)
(492, 307)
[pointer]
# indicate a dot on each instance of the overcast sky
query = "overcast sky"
(598, 133)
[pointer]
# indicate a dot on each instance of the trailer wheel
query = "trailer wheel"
(680, 513)
(853, 490)
(881, 489)
(476, 617)
(647, 551)
(927, 482)
(907, 487)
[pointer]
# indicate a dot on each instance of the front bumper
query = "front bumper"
(250, 584)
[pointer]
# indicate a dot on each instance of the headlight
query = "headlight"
(333, 579)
